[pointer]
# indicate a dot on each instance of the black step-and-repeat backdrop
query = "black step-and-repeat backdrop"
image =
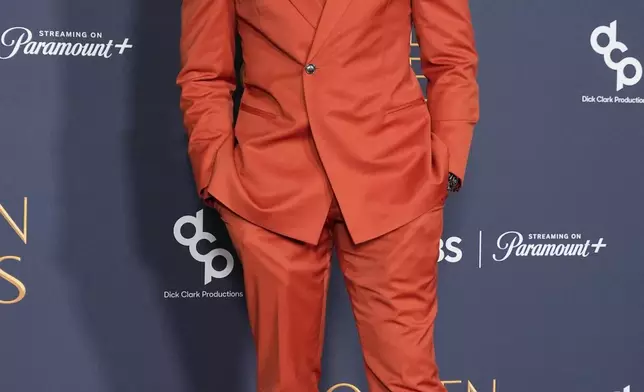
(113, 278)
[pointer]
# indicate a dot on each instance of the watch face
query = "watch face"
(453, 183)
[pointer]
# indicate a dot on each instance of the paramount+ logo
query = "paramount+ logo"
(18, 40)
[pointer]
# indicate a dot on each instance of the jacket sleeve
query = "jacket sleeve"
(207, 81)
(449, 62)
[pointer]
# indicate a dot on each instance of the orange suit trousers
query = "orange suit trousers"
(391, 281)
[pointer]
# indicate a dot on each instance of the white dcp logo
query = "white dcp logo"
(606, 51)
(626, 389)
(191, 243)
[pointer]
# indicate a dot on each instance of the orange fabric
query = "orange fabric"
(356, 126)
(391, 281)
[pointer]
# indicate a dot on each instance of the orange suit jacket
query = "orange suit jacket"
(331, 107)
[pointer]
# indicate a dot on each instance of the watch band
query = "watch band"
(453, 183)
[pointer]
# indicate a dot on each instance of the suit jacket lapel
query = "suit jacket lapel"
(309, 9)
(333, 10)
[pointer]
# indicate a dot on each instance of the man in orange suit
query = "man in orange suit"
(336, 147)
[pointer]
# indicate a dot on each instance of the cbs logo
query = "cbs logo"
(607, 51)
(450, 250)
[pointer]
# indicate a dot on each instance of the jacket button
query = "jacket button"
(310, 69)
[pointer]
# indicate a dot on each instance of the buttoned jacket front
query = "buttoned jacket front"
(331, 107)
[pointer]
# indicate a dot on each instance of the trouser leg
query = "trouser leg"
(391, 281)
(285, 287)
